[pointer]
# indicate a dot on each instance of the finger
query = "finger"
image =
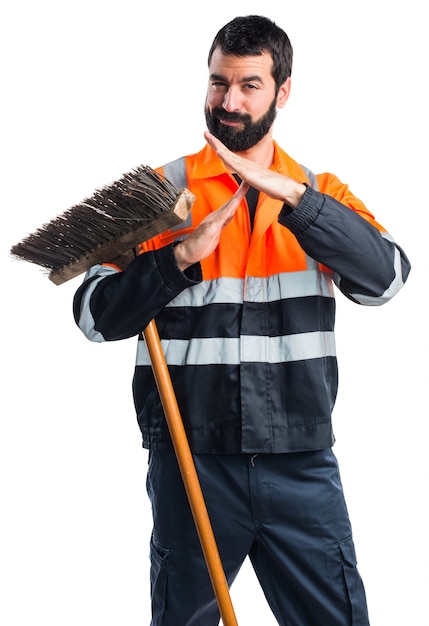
(211, 139)
(229, 209)
(221, 150)
(233, 203)
(242, 190)
(236, 164)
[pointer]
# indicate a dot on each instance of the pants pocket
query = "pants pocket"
(354, 585)
(158, 581)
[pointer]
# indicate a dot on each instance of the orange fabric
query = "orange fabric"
(212, 185)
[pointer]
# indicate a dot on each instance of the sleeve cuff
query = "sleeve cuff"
(300, 218)
(172, 276)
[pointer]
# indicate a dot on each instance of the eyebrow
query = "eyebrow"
(245, 79)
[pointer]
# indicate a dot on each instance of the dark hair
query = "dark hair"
(251, 36)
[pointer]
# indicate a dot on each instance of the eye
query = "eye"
(219, 85)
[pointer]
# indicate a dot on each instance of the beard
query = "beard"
(239, 140)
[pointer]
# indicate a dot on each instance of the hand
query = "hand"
(272, 183)
(205, 238)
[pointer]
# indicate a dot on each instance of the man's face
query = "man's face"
(241, 101)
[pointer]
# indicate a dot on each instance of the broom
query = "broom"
(103, 228)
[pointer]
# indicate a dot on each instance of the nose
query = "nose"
(232, 100)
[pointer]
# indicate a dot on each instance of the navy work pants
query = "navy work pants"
(285, 511)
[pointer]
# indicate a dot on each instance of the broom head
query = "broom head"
(114, 220)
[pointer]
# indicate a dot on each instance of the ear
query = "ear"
(283, 95)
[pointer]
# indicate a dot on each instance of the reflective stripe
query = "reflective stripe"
(247, 349)
(256, 289)
(396, 284)
(312, 264)
(175, 172)
(86, 320)
(311, 178)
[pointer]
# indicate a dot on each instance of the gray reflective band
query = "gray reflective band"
(311, 178)
(254, 289)
(246, 349)
(175, 172)
(311, 263)
(396, 284)
(86, 321)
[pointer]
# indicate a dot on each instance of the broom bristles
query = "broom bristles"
(115, 219)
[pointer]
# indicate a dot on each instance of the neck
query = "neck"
(262, 153)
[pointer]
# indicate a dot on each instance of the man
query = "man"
(244, 303)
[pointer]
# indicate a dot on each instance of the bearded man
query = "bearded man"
(243, 298)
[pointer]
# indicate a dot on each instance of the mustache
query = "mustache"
(220, 114)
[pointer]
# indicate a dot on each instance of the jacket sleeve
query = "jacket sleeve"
(367, 265)
(112, 304)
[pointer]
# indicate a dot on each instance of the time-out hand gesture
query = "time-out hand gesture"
(272, 183)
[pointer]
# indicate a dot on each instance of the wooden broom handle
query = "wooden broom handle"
(189, 474)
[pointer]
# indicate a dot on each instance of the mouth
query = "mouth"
(231, 123)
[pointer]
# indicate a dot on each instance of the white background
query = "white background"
(92, 89)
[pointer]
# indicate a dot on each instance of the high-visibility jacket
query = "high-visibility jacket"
(248, 333)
